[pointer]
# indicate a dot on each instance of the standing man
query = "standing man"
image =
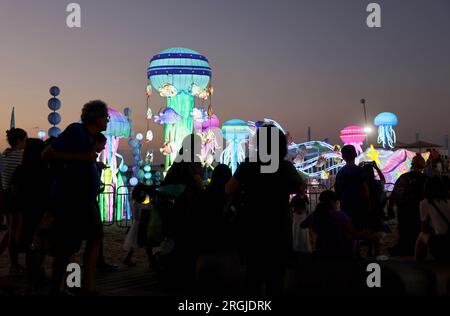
(407, 193)
(74, 194)
(351, 187)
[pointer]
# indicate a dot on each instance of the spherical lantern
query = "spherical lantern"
(124, 168)
(54, 104)
(54, 118)
(42, 135)
(147, 168)
(54, 91)
(148, 176)
(54, 131)
(139, 137)
(134, 181)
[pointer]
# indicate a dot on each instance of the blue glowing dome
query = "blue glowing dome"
(386, 118)
(235, 129)
(180, 67)
(54, 91)
(54, 132)
(54, 104)
(54, 118)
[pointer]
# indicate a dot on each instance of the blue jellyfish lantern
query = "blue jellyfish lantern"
(386, 134)
(236, 133)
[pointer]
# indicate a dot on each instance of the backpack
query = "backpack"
(440, 244)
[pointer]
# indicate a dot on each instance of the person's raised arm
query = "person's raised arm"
(380, 174)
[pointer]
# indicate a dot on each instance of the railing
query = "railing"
(123, 196)
(115, 206)
(106, 201)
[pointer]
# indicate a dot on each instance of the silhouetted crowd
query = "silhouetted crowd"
(198, 233)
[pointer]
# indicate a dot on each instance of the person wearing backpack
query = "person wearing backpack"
(435, 217)
(406, 195)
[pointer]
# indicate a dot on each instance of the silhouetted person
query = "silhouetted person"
(406, 195)
(30, 189)
(300, 236)
(74, 193)
(265, 220)
(351, 187)
(11, 158)
(377, 202)
(435, 218)
(178, 222)
(212, 220)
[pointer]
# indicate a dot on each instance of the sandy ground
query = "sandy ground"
(114, 253)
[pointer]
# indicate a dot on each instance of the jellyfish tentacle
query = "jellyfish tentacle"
(381, 139)
(394, 137)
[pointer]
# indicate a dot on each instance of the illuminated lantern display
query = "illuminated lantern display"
(180, 75)
(118, 127)
(353, 135)
(42, 135)
(386, 134)
(54, 118)
(236, 133)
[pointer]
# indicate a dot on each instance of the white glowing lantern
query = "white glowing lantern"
(134, 181)
(149, 136)
(42, 135)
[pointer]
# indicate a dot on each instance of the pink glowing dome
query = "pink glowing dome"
(353, 135)
(211, 122)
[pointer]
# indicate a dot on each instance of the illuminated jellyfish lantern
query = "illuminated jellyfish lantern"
(180, 75)
(386, 134)
(210, 132)
(236, 133)
(118, 127)
(353, 135)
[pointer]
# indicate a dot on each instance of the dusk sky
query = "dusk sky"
(302, 63)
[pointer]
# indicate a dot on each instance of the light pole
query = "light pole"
(366, 127)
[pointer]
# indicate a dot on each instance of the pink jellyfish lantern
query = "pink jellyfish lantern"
(210, 130)
(353, 135)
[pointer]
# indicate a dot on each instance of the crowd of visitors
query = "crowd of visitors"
(49, 208)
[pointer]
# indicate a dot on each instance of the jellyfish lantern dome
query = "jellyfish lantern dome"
(179, 75)
(386, 134)
(353, 135)
(236, 133)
